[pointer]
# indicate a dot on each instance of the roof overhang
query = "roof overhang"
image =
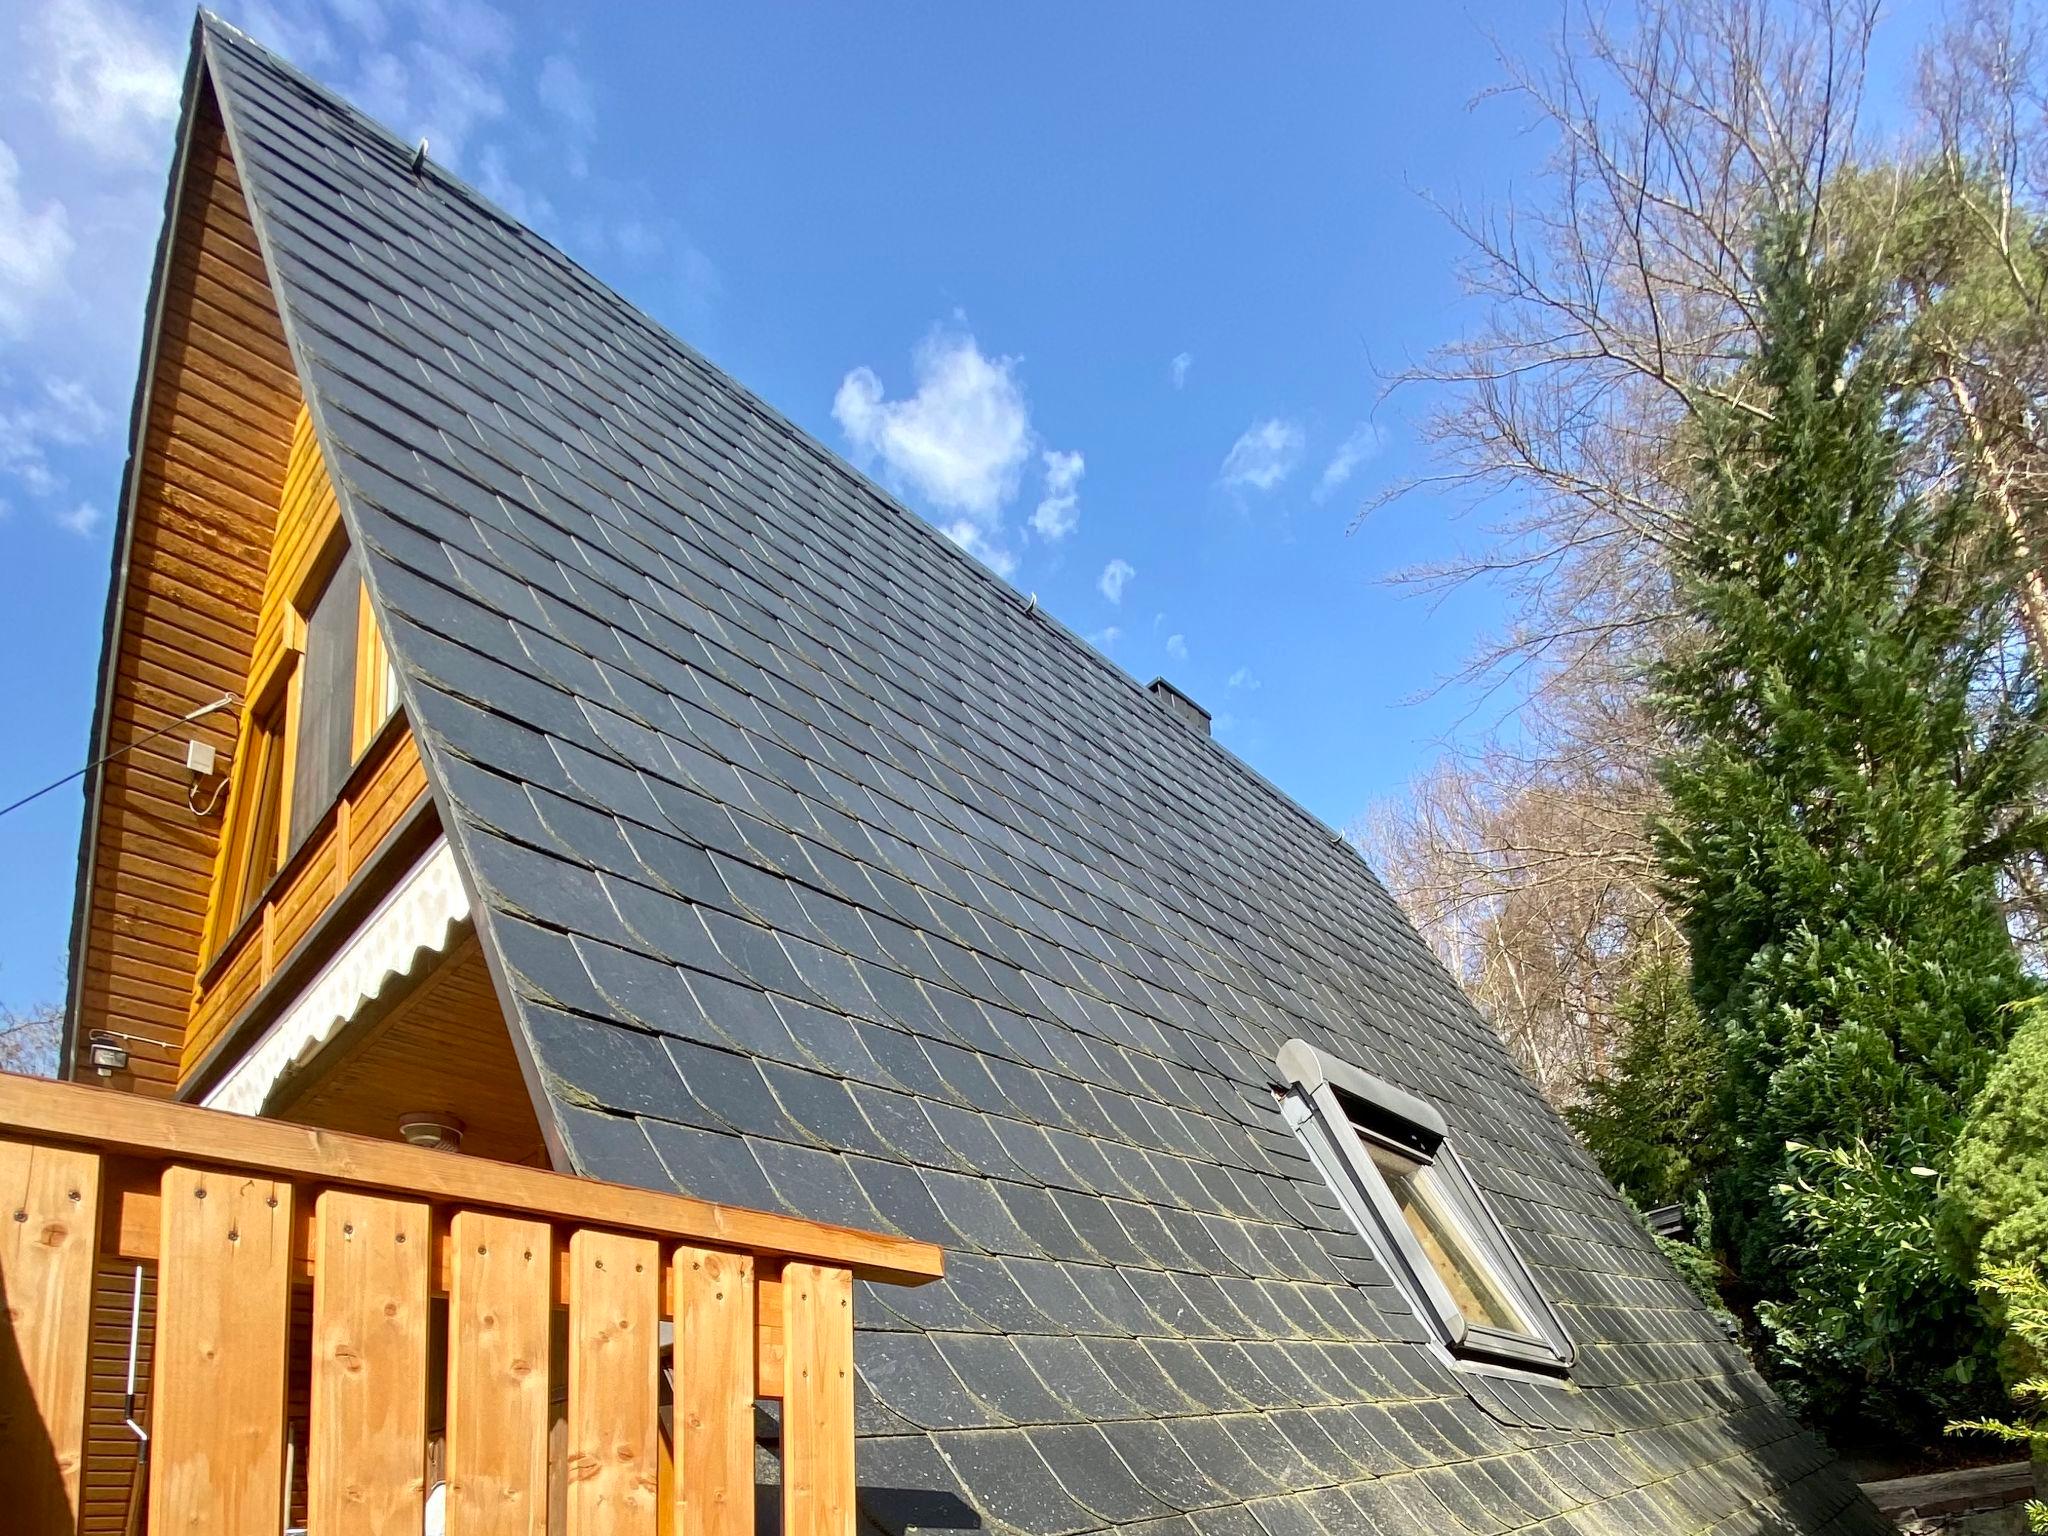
(411, 928)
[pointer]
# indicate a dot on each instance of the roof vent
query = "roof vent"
(1179, 705)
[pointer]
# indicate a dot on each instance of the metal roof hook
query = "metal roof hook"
(419, 158)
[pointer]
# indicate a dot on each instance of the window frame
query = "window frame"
(1334, 1108)
(275, 706)
(273, 713)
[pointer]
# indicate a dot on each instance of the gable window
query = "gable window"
(255, 832)
(1388, 1157)
(321, 699)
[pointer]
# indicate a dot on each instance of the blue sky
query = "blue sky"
(1100, 289)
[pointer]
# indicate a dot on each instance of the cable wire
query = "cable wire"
(223, 702)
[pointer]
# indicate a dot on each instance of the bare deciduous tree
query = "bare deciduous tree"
(28, 1041)
(1530, 874)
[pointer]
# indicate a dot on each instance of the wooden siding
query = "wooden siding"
(386, 783)
(209, 467)
(443, 1047)
(110, 1446)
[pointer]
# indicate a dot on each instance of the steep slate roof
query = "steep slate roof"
(823, 874)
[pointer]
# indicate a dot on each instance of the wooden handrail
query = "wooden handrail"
(133, 1125)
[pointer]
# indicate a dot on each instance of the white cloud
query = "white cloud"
(564, 92)
(495, 180)
(34, 248)
(637, 238)
(83, 520)
(1242, 678)
(1058, 510)
(427, 91)
(367, 17)
(109, 85)
(959, 442)
(63, 415)
(1361, 445)
(1177, 647)
(969, 535)
(299, 32)
(1115, 577)
(1177, 370)
(1263, 456)
(567, 96)
(1105, 639)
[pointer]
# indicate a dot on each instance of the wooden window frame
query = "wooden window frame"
(275, 695)
(1337, 1109)
(374, 707)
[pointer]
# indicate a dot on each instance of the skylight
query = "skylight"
(1388, 1157)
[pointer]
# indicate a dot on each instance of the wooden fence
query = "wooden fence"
(491, 1326)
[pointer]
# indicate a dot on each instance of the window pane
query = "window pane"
(256, 824)
(327, 699)
(1450, 1252)
(376, 681)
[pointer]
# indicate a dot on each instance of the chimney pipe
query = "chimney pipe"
(1179, 705)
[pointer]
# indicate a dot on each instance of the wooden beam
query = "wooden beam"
(367, 1468)
(817, 1403)
(49, 1214)
(498, 1377)
(223, 1287)
(128, 1124)
(714, 1393)
(614, 1384)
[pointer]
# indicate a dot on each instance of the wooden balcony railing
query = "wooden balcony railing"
(490, 1326)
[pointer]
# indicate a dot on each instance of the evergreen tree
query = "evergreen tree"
(1849, 780)
(1652, 1122)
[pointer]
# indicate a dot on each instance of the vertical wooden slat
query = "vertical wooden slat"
(498, 1376)
(817, 1401)
(223, 1287)
(714, 1392)
(366, 1456)
(49, 1227)
(614, 1384)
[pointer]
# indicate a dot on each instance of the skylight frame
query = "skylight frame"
(1337, 1109)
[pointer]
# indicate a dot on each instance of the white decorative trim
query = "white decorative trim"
(419, 917)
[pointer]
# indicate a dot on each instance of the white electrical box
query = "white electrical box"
(199, 757)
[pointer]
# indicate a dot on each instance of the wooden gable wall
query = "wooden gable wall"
(209, 468)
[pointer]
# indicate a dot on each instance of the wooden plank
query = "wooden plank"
(367, 1445)
(223, 1289)
(614, 1384)
(122, 1123)
(49, 1229)
(817, 1402)
(498, 1309)
(714, 1392)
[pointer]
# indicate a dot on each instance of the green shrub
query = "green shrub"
(1876, 1328)
(1996, 1208)
(2020, 1295)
